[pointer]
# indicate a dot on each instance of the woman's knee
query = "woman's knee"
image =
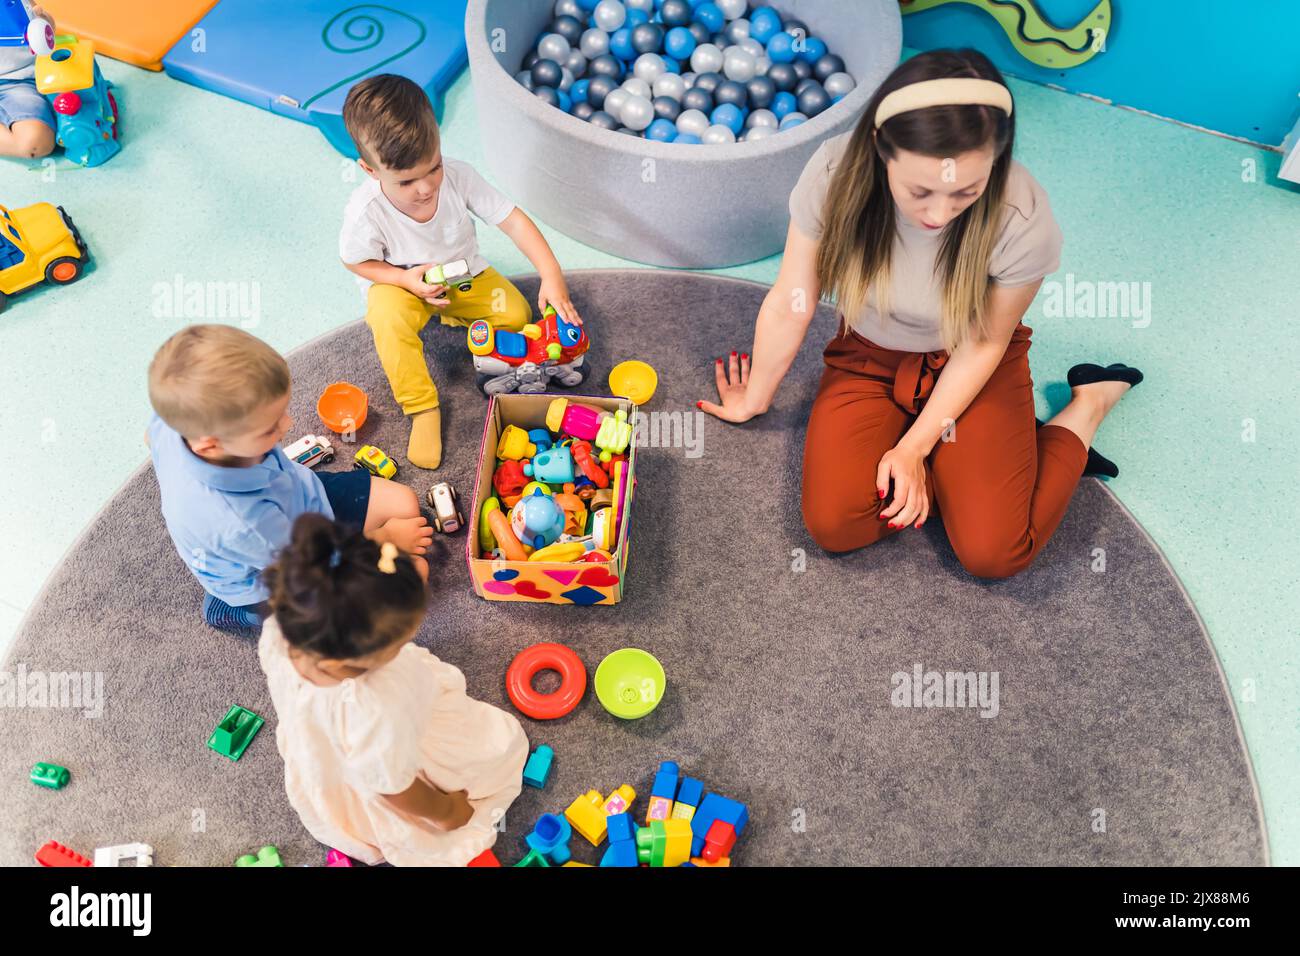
(993, 560)
(840, 528)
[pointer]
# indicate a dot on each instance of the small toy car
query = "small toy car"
(311, 450)
(82, 99)
(374, 461)
(454, 275)
(447, 517)
(527, 361)
(38, 243)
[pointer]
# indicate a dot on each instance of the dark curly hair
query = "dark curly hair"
(345, 607)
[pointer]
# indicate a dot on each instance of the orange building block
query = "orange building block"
(700, 861)
(133, 31)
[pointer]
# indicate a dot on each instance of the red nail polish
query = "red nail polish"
(881, 494)
(733, 354)
(699, 404)
(917, 525)
(745, 356)
(719, 361)
(892, 525)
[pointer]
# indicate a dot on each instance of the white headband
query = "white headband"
(953, 91)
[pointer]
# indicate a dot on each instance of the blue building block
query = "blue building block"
(622, 841)
(689, 794)
(541, 437)
(538, 767)
(300, 59)
(716, 807)
(550, 838)
(662, 792)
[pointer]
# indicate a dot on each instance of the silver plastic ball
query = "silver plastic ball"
(839, 84)
(553, 47)
(637, 113)
(761, 118)
(718, 135)
(669, 84)
(707, 58)
(609, 15)
(757, 132)
(637, 87)
(575, 63)
(615, 102)
(731, 9)
(693, 122)
(738, 64)
(736, 30)
(594, 43)
(649, 67)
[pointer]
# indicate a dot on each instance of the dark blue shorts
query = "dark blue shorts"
(349, 495)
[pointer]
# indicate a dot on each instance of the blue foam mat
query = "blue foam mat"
(299, 58)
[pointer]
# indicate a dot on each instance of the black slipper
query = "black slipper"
(1098, 464)
(1088, 373)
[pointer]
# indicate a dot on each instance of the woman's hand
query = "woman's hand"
(910, 504)
(555, 292)
(733, 385)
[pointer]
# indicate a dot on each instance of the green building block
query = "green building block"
(267, 856)
(50, 775)
(533, 859)
(235, 732)
(652, 843)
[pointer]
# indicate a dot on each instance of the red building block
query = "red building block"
(56, 854)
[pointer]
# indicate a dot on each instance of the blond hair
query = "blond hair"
(208, 379)
(391, 121)
(853, 258)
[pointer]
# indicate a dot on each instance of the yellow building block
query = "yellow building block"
(576, 863)
(678, 849)
(588, 813)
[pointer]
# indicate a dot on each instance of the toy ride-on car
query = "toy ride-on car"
(447, 516)
(82, 99)
(38, 243)
(528, 360)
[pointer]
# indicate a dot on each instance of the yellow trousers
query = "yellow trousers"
(396, 317)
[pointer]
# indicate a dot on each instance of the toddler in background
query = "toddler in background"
(26, 120)
(385, 755)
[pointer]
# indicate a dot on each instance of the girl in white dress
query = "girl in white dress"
(385, 756)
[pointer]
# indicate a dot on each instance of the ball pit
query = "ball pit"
(643, 195)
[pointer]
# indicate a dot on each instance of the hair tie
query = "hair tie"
(949, 91)
(387, 557)
(336, 557)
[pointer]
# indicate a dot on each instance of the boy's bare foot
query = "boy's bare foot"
(425, 447)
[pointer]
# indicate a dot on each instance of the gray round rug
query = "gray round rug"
(881, 707)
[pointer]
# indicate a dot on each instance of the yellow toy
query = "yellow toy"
(588, 816)
(374, 461)
(535, 486)
(614, 435)
(486, 540)
(560, 551)
(38, 243)
(514, 444)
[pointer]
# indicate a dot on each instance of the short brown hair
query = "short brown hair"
(208, 379)
(391, 121)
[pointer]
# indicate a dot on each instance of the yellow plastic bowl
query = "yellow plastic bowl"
(635, 381)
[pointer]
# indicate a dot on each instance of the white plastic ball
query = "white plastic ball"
(755, 48)
(649, 67)
(731, 9)
(761, 65)
(553, 47)
(839, 84)
(609, 15)
(762, 118)
(615, 102)
(566, 78)
(637, 87)
(707, 58)
(736, 30)
(757, 132)
(569, 8)
(738, 65)
(637, 113)
(669, 84)
(689, 79)
(594, 43)
(576, 63)
(693, 122)
(718, 135)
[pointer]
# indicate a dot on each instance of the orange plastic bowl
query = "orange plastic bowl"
(342, 407)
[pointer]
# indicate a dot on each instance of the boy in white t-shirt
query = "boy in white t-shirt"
(414, 213)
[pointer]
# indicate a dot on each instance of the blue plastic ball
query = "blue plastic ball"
(662, 131)
(761, 92)
(636, 17)
(667, 108)
(606, 65)
(792, 120)
(578, 92)
(675, 13)
(671, 65)
(701, 33)
(764, 23)
(647, 38)
(732, 92)
(729, 115)
(679, 43)
(588, 5)
(783, 104)
(566, 101)
(710, 16)
(780, 49)
(689, 139)
(813, 50)
(569, 28)
(698, 99)
(598, 88)
(620, 44)
(547, 73)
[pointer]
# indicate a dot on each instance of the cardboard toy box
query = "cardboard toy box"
(547, 582)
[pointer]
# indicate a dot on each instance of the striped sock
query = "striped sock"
(217, 613)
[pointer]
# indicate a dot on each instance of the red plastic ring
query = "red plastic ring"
(531, 661)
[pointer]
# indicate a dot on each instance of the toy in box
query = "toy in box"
(552, 511)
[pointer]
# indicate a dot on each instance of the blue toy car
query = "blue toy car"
(82, 99)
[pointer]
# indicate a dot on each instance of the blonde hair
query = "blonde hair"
(208, 379)
(853, 258)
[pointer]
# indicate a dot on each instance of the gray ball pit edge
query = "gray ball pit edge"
(691, 207)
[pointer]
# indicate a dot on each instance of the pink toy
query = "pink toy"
(580, 421)
(335, 858)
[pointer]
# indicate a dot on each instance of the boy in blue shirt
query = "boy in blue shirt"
(26, 119)
(229, 493)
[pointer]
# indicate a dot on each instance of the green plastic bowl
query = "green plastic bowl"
(630, 683)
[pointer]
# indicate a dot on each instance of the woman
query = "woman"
(934, 243)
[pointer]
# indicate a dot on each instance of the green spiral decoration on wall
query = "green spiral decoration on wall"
(362, 31)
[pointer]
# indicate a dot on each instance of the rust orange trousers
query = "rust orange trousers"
(1001, 484)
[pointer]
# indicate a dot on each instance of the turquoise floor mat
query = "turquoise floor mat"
(219, 193)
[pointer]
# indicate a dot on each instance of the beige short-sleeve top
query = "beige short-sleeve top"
(1028, 250)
